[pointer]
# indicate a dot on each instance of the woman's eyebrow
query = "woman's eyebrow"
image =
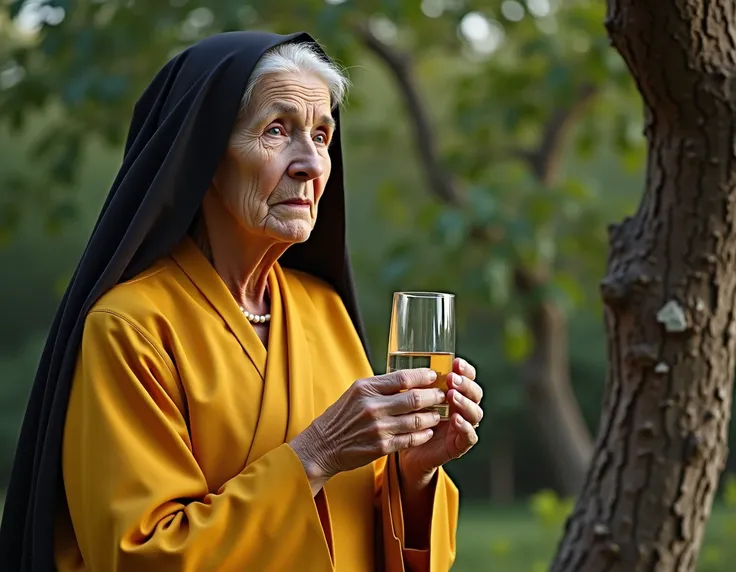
(283, 108)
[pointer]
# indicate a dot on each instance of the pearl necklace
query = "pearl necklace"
(255, 318)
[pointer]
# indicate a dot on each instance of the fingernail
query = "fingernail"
(441, 394)
(436, 416)
(457, 398)
(432, 375)
(458, 379)
(459, 421)
(461, 366)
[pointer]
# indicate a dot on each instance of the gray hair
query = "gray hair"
(298, 58)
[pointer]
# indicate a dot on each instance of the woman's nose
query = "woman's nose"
(307, 165)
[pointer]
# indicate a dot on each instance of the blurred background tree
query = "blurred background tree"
(488, 144)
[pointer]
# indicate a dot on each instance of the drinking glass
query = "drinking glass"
(422, 334)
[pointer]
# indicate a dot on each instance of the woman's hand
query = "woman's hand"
(453, 438)
(373, 418)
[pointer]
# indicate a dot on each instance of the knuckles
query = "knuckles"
(405, 379)
(371, 410)
(473, 439)
(385, 446)
(362, 387)
(414, 399)
(375, 428)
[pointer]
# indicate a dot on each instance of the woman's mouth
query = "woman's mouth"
(303, 203)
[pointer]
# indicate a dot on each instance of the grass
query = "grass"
(514, 540)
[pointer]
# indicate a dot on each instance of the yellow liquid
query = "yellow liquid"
(441, 363)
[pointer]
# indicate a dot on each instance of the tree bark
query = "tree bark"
(547, 380)
(669, 296)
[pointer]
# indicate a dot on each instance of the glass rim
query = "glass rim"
(423, 294)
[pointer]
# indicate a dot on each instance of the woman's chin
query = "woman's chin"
(291, 231)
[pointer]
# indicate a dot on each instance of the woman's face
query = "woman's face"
(274, 171)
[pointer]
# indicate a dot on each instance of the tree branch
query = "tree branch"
(440, 181)
(544, 160)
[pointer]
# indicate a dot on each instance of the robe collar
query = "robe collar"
(287, 404)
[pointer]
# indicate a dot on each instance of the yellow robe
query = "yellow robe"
(175, 451)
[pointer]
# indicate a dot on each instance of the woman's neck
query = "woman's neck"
(242, 260)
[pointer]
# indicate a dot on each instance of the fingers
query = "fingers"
(465, 438)
(469, 410)
(404, 431)
(466, 386)
(407, 440)
(462, 367)
(412, 400)
(414, 422)
(401, 380)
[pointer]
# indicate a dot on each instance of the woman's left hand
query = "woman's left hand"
(452, 438)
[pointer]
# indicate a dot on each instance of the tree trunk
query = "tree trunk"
(669, 294)
(502, 470)
(552, 402)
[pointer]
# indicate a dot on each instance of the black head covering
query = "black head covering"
(180, 129)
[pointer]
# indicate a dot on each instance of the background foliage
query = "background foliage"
(493, 78)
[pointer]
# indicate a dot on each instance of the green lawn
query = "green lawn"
(512, 540)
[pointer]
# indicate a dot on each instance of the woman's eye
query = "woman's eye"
(274, 131)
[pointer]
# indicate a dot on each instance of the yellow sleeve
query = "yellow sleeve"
(441, 553)
(137, 498)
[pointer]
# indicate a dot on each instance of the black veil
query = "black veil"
(179, 130)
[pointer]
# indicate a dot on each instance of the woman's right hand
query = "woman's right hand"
(376, 416)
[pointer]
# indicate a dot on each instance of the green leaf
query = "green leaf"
(498, 277)
(451, 227)
(483, 205)
(569, 287)
(550, 509)
(575, 189)
(517, 339)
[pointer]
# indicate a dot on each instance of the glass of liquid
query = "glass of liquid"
(422, 334)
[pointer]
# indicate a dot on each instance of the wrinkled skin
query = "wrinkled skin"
(278, 153)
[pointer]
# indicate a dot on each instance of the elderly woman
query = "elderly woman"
(205, 400)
